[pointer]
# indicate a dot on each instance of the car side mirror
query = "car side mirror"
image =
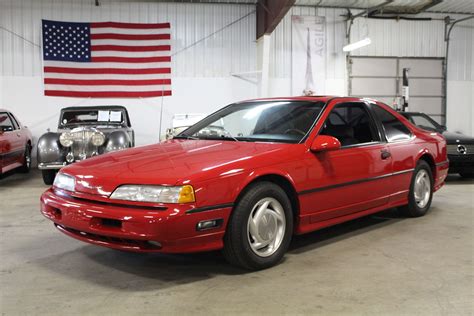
(443, 128)
(325, 143)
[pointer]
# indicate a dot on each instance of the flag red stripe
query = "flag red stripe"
(131, 25)
(113, 59)
(107, 70)
(130, 48)
(106, 94)
(110, 82)
(132, 37)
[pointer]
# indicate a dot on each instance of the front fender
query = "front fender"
(116, 141)
(49, 149)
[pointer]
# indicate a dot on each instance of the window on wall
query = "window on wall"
(394, 129)
(351, 124)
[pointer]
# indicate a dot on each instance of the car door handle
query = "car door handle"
(385, 154)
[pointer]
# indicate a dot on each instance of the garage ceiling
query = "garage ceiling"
(394, 6)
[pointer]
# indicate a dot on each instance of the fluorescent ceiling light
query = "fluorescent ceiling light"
(366, 41)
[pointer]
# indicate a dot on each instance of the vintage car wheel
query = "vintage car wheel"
(421, 191)
(48, 176)
(468, 175)
(260, 229)
(26, 160)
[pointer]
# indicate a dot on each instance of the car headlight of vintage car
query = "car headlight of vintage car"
(155, 193)
(64, 181)
(66, 139)
(98, 139)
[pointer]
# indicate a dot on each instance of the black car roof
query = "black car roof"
(95, 107)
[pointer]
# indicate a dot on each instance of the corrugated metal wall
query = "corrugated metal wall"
(400, 38)
(231, 50)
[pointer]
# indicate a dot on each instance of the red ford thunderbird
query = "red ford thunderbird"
(248, 177)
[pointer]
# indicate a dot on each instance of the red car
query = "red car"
(249, 176)
(15, 144)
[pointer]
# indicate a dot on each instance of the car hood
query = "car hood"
(456, 138)
(170, 163)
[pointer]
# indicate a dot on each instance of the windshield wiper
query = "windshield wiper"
(185, 137)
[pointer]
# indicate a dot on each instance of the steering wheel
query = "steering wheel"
(295, 131)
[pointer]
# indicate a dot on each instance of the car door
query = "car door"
(400, 142)
(355, 177)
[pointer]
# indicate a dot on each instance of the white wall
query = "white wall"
(460, 111)
(201, 74)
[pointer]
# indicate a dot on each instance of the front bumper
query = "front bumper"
(461, 163)
(138, 229)
(51, 166)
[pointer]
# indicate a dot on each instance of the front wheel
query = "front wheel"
(260, 229)
(25, 168)
(48, 176)
(421, 191)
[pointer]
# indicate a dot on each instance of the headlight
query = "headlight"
(98, 139)
(152, 193)
(66, 139)
(64, 181)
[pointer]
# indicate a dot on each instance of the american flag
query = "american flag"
(106, 59)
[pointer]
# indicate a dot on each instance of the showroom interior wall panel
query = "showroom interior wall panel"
(202, 80)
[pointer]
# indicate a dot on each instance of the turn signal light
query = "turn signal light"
(186, 195)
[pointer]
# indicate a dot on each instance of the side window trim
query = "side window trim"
(372, 119)
(16, 126)
(382, 127)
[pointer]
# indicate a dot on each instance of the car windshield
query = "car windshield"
(268, 121)
(425, 122)
(92, 117)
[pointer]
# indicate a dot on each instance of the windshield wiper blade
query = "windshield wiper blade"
(185, 137)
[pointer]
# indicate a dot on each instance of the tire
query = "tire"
(26, 160)
(48, 176)
(241, 247)
(419, 205)
(467, 175)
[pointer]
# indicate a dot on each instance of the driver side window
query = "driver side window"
(351, 124)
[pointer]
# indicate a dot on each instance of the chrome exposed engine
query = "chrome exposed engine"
(83, 142)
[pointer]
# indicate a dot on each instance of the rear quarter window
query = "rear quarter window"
(395, 130)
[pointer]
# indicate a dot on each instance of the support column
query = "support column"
(263, 63)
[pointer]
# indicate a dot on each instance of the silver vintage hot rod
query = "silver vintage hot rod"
(83, 132)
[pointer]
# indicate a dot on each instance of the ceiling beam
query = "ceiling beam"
(270, 13)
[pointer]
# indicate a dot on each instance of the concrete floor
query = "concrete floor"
(377, 265)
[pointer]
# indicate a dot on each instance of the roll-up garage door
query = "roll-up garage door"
(381, 78)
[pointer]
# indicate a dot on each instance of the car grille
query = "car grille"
(82, 147)
(455, 150)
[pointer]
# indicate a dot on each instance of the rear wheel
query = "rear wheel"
(260, 229)
(468, 175)
(421, 191)
(26, 160)
(48, 176)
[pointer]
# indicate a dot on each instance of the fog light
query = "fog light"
(154, 243)
(70, 157)
(209, 224)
